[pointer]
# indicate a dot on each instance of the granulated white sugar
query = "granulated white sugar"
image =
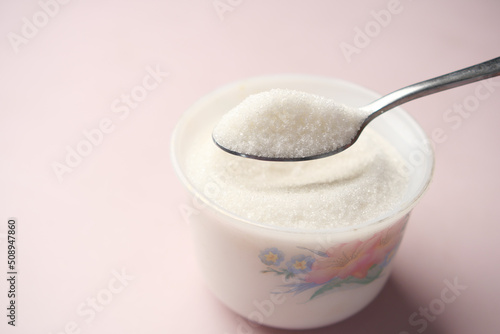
(362, 183)
(283, 123)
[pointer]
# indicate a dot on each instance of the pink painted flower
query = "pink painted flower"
(355, 258)
(349, 259)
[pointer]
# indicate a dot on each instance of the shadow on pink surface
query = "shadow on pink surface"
(390, 312)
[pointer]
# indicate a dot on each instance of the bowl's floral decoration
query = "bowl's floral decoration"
(355, 262)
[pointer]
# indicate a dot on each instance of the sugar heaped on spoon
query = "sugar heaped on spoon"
(288, 125)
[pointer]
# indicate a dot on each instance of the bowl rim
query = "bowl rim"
(222, 213)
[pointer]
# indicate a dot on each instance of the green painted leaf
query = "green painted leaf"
(373, 274)
(327, 287)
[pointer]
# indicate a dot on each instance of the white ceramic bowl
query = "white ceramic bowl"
(249, 266)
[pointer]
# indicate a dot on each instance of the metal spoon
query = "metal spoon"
(485, 70)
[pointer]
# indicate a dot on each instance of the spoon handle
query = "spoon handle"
(485, 70)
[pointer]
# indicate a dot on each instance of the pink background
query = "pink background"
(117, 210)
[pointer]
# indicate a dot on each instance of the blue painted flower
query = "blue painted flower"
(272, 256)
(300, 264)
